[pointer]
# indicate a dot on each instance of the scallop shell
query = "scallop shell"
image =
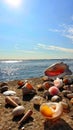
(19, 110)
(51, 110)
(57, 70)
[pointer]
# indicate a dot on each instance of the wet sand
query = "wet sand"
(36, 121)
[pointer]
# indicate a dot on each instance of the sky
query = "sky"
(36, 29)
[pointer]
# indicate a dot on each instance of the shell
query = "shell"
(3, 87)
(8, 100)
(70, 95)
(51, 110)
(71, 100)
(9, 92)
(26, 116)
(37, 100)
(58, 82)
(57, 70)
(19, 110)
(16, 99)
(65, 92)
(53, 90)
(56, 98)
(27, 88)
(46, 85)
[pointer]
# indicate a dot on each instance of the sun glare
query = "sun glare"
(13, 3)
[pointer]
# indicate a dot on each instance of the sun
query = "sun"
(13, 3)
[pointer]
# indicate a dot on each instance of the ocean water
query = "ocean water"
(23, 69)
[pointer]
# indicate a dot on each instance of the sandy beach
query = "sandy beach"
(36, 121)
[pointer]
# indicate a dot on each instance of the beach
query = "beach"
(36, 120)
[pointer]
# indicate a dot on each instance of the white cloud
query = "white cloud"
(65, 30)
(57, 48)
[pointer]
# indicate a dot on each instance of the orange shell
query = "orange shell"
(46, 111)
(29, 86)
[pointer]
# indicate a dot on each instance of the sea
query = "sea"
(24, 69)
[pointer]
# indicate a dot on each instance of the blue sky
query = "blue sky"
(36, 29)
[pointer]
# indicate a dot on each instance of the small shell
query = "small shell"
(70, 95)
(37, 100)
(20, 83)
(40, 87)
(9, 92)
(53, 90)
(56, 98)
(65, 92)
(26, 116)
(3, 87)
(19, 110)
(45, 78)
(71, 100)
(8, 100)
(46, 85)
(58, 82)
(51, 110)
(16, 99)
(27, 88)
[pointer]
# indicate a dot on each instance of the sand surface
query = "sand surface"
(36, 121)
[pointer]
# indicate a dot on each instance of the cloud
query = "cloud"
(65, 31)
(57, 48)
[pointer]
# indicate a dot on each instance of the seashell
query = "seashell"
(27, 88)
(45, 78)
(57, 70)
(16, 99)
(65, 105)
(65, 92)
(9, 92)
(67, 80)
(10, 101)
(53, 90)
(46, 94)
(20, 83)
(51, 111)
(71, 87)
(46, 85)
(71, 100)
(56, 98)
(70, 95)
(3, 87)
(26, 116)
(40, 87)
(37, 100)
(19, 110)
(66, 87)
(58, 82)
